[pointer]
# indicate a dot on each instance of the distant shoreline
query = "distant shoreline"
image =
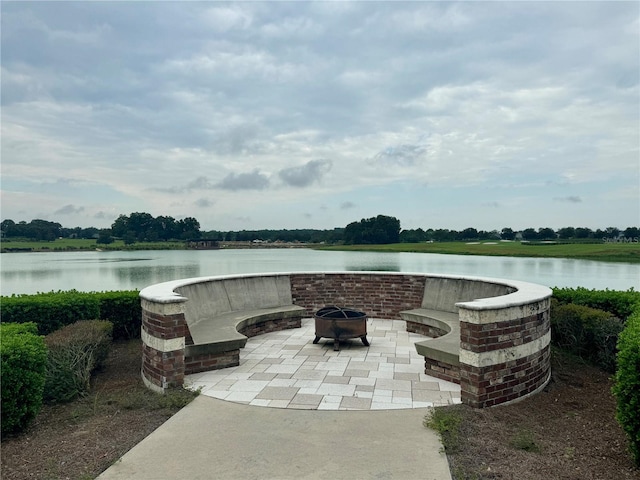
(605, 251)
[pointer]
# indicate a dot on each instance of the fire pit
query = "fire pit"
(340, 324)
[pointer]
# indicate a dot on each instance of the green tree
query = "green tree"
(376, 230)
(104, 237)
(546, 234)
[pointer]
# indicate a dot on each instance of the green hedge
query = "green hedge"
(75, 352)
(619, 303)
(122, 308)
(627, 383)
(51, 311)
(589, 333)
(23, 357)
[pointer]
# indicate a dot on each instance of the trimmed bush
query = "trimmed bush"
(627, 383)
(619, 303)
(51, 311)
(587, 332)
(75, 352)
(23, 357)
(122, 308)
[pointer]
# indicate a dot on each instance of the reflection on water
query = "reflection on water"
(99, 271)
(149, 275)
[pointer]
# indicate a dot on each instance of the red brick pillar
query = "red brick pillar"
(163, 340)
(504, 353)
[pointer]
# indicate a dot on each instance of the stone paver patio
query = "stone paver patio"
(286, 370)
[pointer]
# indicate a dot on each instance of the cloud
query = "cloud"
(200, 183)
(198, 100)
(69, 210)
(569, 199)
(245, 181)
(491, 204)
(305, 175)
(401, 155)
(204, 203)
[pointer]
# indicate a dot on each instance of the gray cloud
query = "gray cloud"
(200, 183)
(347, 205)
(68, 210)
(491, 204)
(204, 203)
(401, 155)
(306, 174)
(245, 181)
(569, 199)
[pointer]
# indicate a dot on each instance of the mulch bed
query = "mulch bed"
(567, 432)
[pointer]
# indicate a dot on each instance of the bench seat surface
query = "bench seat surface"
(222, 329)
(444, 349)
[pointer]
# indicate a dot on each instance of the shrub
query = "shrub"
(590, 333)
(23, 357)
(75, 351)
(51, 311)
(627, 383)
(122, 308)
(619, 303)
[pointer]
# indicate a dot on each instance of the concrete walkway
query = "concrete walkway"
(295, 410)
(215, 439)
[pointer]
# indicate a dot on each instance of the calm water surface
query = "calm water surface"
(99, 271)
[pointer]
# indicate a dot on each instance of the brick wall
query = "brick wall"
(163, 334)
(502, 361)
(271, 326)
(378, 295)
(211, 361)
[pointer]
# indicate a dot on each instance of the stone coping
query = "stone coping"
(524, 294)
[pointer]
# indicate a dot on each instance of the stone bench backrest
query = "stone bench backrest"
(215, 297)
(441, 293)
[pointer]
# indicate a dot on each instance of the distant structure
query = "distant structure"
(203, 244)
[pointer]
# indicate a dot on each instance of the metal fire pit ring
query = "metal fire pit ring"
(340, 323)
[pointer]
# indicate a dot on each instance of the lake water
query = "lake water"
(100, 271)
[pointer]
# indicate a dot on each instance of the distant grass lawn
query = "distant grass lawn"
(71, 244)
(610, 252)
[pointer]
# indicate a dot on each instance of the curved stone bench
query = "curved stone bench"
(502, 346)
(438, 317)
(442, 354)
(220, 313)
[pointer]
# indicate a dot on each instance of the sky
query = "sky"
(270, 115)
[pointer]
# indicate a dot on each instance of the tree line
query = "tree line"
(143, 227)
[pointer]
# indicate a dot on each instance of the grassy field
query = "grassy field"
(620, 252)
(610, 252)
(72, 244)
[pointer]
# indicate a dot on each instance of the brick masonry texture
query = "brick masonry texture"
(379, 296)
(164, 327)
(426, 330)
(442, 370)
(271, 326)
(496, 384)
(212, 361)
(501, 335)
(163, 369)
